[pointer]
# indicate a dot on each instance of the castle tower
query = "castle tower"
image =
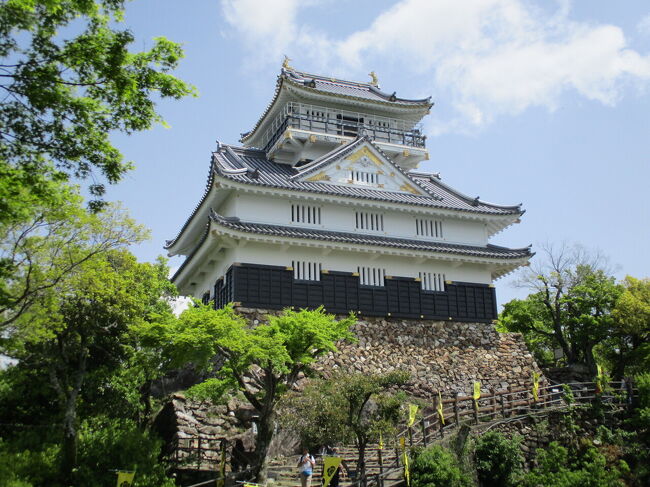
(323, 205)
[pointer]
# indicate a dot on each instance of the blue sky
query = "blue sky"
(540, 102)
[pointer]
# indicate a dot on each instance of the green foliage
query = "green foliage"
(22, 467)
(558, 467)
(627, 349)
(69, 80)
(570, 307)
(106, 444)
(641, 417)
(72, 347)
(272, 354)
(498, 459)
(37, 255)
(345, 408)
(436, 467)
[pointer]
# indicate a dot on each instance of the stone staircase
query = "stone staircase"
(284, 473)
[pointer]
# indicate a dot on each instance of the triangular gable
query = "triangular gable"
(360, 163)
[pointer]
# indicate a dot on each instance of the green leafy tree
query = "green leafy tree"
(262, 363)
(559, 467)
(437, 467)
(348, 407)
(498, 459)
(570, 307)
(628, 346)
(69, 79)
(37, 254)
(76, 337)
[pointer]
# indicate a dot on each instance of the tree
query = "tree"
(437, 467)
(628, 346)
(349, 407)
(76, 336)
(262, 363)
(559, 467)
(38, 253)
(570, 307)
(68, 81)
(498, 459)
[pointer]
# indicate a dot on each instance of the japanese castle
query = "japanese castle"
(323, 204)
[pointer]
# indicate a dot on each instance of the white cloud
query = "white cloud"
(267, 27)
(643, 27)
(488, 57)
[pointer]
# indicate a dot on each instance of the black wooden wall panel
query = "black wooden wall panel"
(274, 287)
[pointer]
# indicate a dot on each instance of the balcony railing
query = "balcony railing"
(341, 122)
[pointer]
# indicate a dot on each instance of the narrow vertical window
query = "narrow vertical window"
(428, 228)
(310, 215)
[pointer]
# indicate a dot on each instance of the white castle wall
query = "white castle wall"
(337, 217)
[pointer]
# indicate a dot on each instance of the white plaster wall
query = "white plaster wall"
(277, 210)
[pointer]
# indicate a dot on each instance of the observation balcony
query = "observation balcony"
(301, 132)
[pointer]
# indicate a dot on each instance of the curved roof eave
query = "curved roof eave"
(282, 77)
(499, 252)
(435, 179)
(169, 244)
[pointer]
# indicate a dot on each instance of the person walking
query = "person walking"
(306, 466)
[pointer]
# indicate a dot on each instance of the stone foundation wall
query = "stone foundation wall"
(440, 355)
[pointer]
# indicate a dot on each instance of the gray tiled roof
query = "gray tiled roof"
(489, 251)
(351, 90)
(250, 166)
(348, 88)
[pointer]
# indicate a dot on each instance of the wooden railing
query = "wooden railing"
(492, 407)
(510, 402)
(502, 405)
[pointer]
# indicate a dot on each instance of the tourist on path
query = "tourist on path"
(306, 466)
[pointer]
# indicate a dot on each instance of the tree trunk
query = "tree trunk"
(69, 447)
(361, 462)
(262, 445)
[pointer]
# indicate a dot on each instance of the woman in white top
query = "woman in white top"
(306, 466)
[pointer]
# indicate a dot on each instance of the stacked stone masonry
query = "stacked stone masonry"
(444, 356)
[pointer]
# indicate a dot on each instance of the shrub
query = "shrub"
(22, 467)
(558, 468)
(498, 459)
(436, 467)
(107, 444)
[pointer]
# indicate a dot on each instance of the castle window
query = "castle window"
(363, 177)
(371, 276)
(305, 214)
(369, 221)
(432, 281)
(428, 228)
(205, 299)
(348, 125)
(306, 271)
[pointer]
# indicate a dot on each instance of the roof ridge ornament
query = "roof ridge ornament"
(374, 80)
(285, 63)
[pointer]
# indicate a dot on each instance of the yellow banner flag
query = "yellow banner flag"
(600, 379)
(381, 442)
(441, 415)
(477, 391)
(330, 468)
(125, 479)
(536, 377)
(407, 473)
(413, 411)
(402, 442)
